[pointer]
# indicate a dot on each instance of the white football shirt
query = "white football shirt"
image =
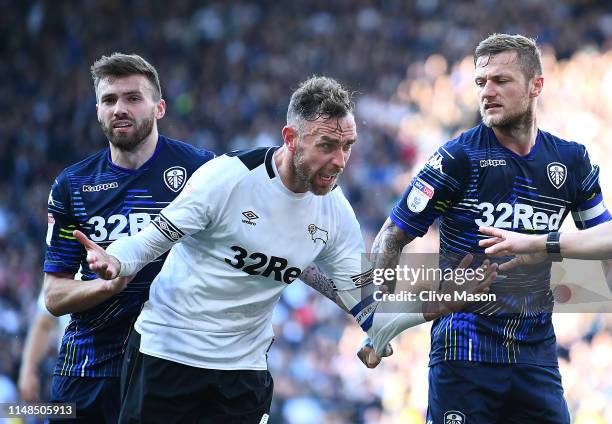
(243, 237)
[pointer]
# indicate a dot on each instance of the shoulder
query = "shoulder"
(254, 158)
(187, 151)
(574, 152)
(454, 150)
(85, 167)
(451, 160)
(231, 168)
(472, 139)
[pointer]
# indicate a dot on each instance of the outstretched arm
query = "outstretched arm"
(65, 295)
(387, 248)
(395, 323)
(593, 243)
(127, 255)
(315, 278)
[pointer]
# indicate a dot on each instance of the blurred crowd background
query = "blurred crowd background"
(227, 70)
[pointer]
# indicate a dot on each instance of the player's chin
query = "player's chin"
(491, 119)
(321, 191)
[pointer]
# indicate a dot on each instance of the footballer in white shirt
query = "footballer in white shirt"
(245, 226)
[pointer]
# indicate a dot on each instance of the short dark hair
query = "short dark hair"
(319, 97)
(124, 65)
(528, 53)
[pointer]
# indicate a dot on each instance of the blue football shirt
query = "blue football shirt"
(474, 181)
(106, 202)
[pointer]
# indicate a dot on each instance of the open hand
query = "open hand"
(104, 265)
(528, 249)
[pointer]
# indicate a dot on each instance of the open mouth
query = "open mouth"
(328, 179)
(490, 106)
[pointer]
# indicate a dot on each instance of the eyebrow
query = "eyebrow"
(494, 76)
(337, 141)
(127, 93)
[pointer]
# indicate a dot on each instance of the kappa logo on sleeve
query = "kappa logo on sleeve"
(436, 162)
(420, 194)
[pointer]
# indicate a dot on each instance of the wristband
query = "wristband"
(553, 247)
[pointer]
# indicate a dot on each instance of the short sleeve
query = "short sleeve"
(433, 190)
(589, 209)
(64, 252)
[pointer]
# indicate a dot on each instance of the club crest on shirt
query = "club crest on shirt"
(317, 233)
(419, 195)
(454, 417)
(557, 173)
(175, 178)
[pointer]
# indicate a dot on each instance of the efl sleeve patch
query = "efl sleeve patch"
(420, 194)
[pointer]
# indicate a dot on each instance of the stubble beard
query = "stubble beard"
(129, 143)
(303, 174)
(512, 121)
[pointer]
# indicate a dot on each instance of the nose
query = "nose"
(120, 108)
(488, 90)
(340, 158)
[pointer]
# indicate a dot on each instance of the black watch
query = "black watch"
(553, 247)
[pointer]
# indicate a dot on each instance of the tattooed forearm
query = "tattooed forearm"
(387, 248)
(313, 277)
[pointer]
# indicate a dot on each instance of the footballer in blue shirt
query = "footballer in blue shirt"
(108, 195)
(496, 361)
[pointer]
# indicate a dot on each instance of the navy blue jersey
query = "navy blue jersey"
(474, 181)
(106, 202)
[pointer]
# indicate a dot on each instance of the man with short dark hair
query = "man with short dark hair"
(109, 195)
(497, 361)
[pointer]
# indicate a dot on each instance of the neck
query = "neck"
(136, 158)
(519, 137)
(284, 165)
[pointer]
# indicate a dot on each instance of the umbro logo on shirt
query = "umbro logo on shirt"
(250, 217)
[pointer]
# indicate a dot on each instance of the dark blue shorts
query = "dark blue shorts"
(97, 399)
(462, 392)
